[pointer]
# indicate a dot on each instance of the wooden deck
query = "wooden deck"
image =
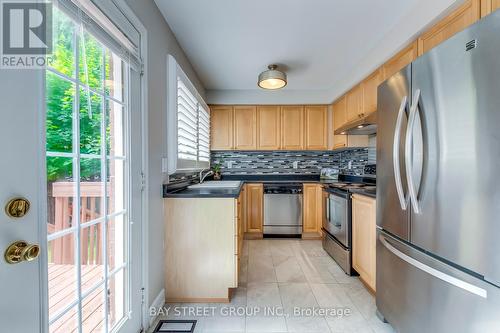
(62, 291)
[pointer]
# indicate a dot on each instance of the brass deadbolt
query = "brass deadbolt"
(21, 251)
(17, 207)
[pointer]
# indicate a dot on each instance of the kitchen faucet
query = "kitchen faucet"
(203, 176)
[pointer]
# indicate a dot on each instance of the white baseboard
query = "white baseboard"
(158, 302)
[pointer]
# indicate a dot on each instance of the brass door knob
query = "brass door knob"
(17, 207)
(21, 251)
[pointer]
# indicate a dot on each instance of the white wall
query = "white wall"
(161, 42)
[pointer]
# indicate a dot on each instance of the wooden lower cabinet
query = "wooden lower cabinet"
(254, 210)
(211, 236)
(312, 212)
(364, 238)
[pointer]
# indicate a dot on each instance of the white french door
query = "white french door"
(71, 145)
(94, 163)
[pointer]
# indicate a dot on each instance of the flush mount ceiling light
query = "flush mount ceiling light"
(272, 78)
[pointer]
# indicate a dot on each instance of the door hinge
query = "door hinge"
(141, 72)
(143, 181)
(143, 297)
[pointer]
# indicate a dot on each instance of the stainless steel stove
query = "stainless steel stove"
(337, 224)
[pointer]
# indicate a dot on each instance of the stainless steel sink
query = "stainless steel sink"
(229, 184)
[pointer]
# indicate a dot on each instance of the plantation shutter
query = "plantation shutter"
(187, 123)
(204, 134)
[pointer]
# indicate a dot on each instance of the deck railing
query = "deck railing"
(91, 208)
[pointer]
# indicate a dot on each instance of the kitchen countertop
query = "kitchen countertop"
(369, 193)
(184, 192)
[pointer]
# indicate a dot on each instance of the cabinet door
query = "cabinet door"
(489, 6)
(316, 127)
(400, 60)
(254, 206)
(221, 127)
(268, 127)
(354, 103)
(339, 118)
(370, 85)
(292, 127)
(245, 127)
(458, 20)
(364, 238)
(312, 209)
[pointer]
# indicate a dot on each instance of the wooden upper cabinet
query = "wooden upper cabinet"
(292, 127)
(400, 60)
(489, 6)
(316, 127)
(268, 127)
(245, 127)
(364, 238)
(370, 86)
(458, 20)
(254, 207)
(354, 103)
(221, 124)
(339, 112)
(339, 118)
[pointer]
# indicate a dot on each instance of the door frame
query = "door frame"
(127, 11)
(42, 202)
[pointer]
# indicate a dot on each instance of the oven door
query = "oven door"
(337, 217)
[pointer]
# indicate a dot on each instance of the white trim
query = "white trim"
(129, 14)
(158, 302)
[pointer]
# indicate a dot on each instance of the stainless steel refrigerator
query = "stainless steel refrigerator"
(438, 187)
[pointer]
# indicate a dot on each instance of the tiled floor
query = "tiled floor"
(290, 277)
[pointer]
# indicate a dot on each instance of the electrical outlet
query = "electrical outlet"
(349, 165)
(296, 164)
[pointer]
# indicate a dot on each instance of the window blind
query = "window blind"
(203, 134)
(187, 123)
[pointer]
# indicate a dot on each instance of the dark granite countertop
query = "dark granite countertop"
(184, 192)
(372, 193)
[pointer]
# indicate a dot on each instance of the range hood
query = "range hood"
(362, 126)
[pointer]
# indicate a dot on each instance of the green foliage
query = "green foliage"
(60, 100)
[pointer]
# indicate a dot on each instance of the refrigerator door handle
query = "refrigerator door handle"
(403, 200)
(434, 272)
(408, 152)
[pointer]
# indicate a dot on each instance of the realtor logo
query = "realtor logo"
(26, 33)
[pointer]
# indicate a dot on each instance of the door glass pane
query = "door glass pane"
(62, 273)
(63, 30)
(114, 128)
(90, 122)
(93, 311)
(59, 121)
(116, 301)
(91, 62)
(67, 323)
(116, 185)
(91, 190)
(60, 193)
(91, 256)
(114, 76)
(116, 242)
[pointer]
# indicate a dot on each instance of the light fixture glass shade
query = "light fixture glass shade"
(272, 78)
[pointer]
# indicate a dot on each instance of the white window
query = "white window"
(188, 124)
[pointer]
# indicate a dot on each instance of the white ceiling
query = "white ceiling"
(325, 46)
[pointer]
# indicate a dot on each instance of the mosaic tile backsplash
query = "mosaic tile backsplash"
(349, 162)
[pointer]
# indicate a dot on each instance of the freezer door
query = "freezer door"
(417, 293)
(456, 150)
(392, 195)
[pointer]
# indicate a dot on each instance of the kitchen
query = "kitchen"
(307, 174)
(250, 166)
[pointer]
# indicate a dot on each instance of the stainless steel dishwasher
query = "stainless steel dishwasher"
(282, 209)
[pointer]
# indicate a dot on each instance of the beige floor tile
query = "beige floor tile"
(261, 269)
(288, 269)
